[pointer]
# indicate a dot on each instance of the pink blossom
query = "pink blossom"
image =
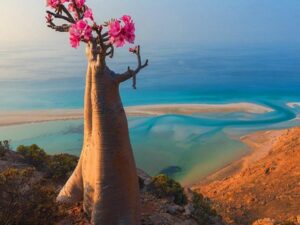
(71, 7)
(78, 31)
(126, 19)
(129, 30)
(130, 38)
(114, 28)
(89, 14)
(134, 50)
(53, 3)
(121, 32)
(79, 3)
(120, 41)
(56, 3)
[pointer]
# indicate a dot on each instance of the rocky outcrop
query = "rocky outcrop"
(163, 211)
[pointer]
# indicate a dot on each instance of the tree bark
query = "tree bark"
(105, 177)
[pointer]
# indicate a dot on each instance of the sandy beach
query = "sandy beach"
(21, 117)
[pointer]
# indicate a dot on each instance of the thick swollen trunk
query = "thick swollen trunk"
(105, 177)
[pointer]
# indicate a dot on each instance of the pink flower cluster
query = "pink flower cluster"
(89, 14)
(121, 31)
(80, 31)
(79, 3)
(56, 3)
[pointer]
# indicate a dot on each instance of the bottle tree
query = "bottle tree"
(105, 178)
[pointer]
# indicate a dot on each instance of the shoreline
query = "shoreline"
(259, 144)
(293, 104)
(8, 118)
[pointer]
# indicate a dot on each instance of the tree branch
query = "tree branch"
(110, 53)
(55, 15)
(67, 13)
(61, 28)
(132, 73)
(105, 35)
(77, 10)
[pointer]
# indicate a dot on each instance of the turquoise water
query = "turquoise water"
(195, 145)
(187, 147)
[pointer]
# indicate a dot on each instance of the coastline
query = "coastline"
(293, 104)
(260, 144)
(35, 116)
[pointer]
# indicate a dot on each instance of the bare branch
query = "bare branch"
(105, 39)
(56, 15)
(132, 73)
(111, 51)
(67, 13)
(61, 28)
(105, 35)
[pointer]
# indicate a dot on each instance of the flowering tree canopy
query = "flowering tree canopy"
(81, 24)
(82, 27)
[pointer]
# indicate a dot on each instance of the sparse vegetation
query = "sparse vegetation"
(56, 166)
(61, 166)
(4, 147)
(164, 187)
(25, 200)
(202, 209)
(33, 155)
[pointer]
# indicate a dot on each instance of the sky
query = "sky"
(168, 21)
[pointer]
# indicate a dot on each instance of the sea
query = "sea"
(185, 147)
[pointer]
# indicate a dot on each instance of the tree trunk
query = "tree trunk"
(105, 177)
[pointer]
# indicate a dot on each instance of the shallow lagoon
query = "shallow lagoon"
(186, 147)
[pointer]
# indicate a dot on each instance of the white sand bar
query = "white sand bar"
(20, 117)
(189, 109)
(293, 104)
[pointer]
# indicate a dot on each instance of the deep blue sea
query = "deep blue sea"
(186, 147)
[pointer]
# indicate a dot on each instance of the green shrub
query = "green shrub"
(34, 155)
(163, 186)
(60, 166)
(55, 166)
(26, 201)
(202, 209)
(4, 147)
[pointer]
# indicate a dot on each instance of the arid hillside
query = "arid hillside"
(30, 180)
(267, 185)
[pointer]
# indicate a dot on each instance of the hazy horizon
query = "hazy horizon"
(201, 22)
